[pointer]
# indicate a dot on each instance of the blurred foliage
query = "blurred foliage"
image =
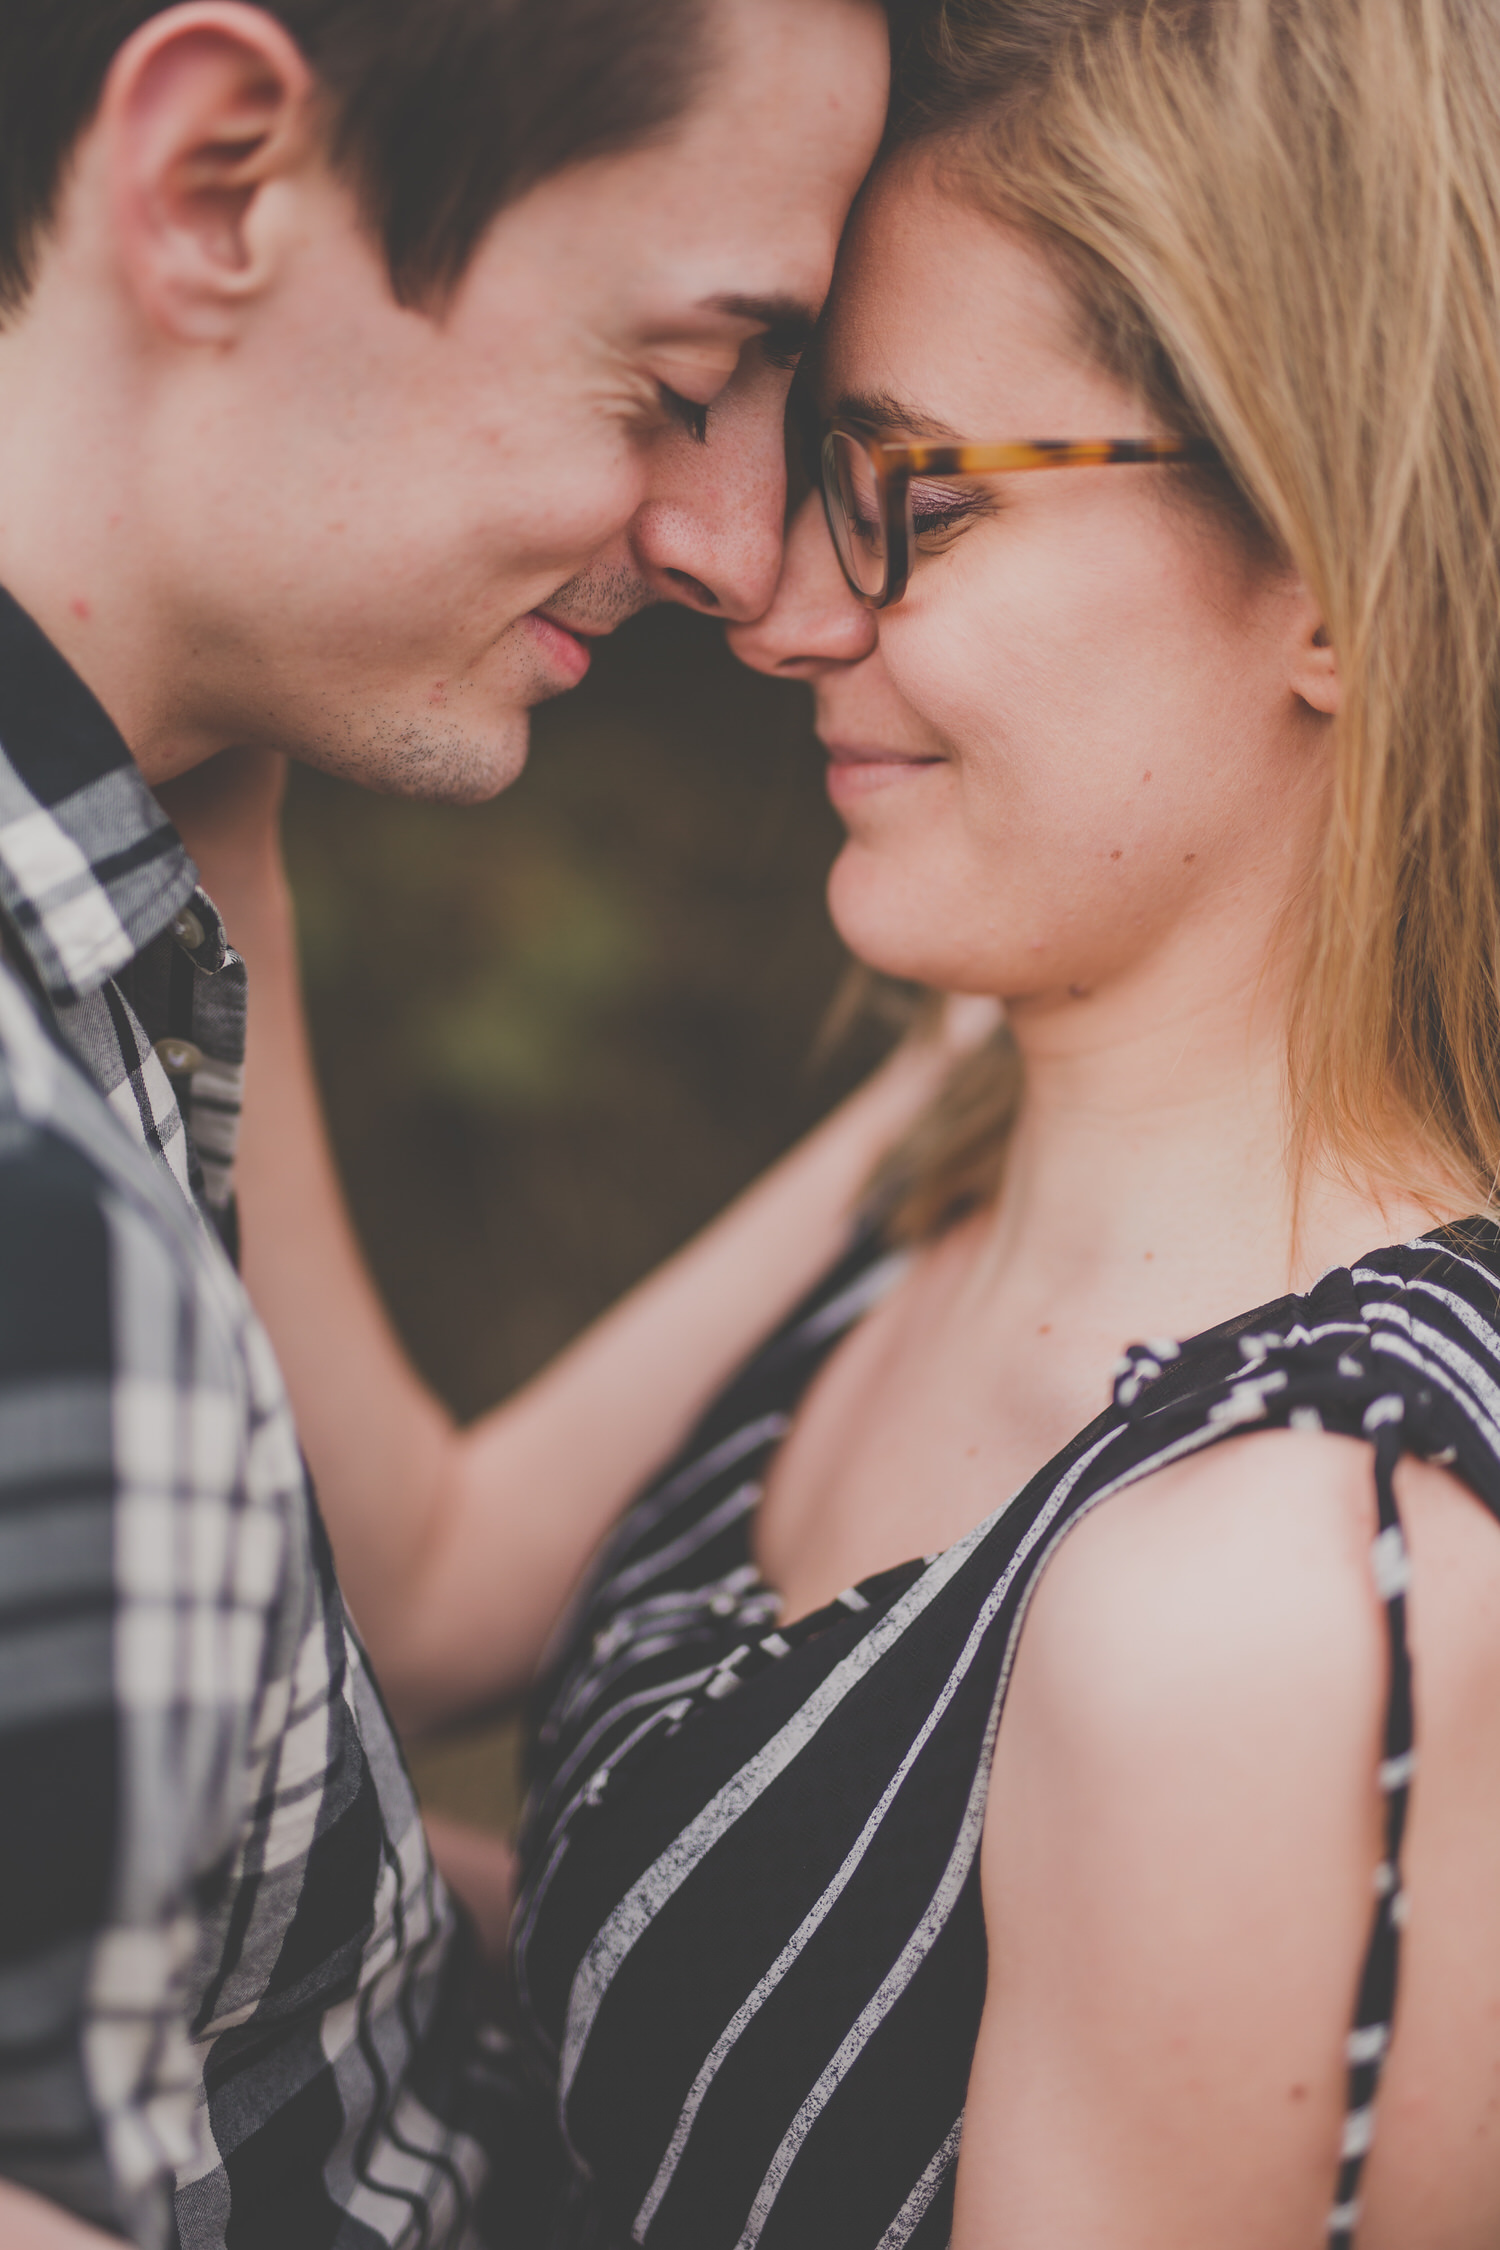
(511, 946)
(559, 1031)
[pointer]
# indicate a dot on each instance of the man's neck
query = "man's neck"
(76, 543)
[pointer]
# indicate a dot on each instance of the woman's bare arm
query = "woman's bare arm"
(1178, 1868)
(458, 1548)
(27, 2223)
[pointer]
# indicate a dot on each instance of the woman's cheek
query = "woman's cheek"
(937, 665)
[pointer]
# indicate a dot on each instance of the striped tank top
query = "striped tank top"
(749, 1952)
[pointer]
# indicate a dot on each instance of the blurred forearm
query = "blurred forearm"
(529, 1490)
(27, 2223)
(378, 1442)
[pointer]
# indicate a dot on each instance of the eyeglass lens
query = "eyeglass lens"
(852, 494)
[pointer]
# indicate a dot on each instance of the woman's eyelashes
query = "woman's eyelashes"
(940, 511)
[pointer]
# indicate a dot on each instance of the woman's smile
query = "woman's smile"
(856, 769)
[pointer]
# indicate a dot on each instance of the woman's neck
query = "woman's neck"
(1149, 1184)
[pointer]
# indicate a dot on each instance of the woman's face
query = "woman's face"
(1085, 739)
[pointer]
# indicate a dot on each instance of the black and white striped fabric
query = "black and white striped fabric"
(750, 1946)
(236, 2005)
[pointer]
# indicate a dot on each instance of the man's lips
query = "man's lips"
(565, 645)
(856, 769)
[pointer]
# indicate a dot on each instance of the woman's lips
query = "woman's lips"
(564, 650)
(857, 769)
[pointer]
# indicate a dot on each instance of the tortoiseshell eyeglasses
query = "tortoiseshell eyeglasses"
(874, 498)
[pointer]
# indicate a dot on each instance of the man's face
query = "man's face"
(370, 507)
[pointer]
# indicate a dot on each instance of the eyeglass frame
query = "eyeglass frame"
(897, 461)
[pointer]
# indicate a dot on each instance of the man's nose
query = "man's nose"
(813, 624)
(719, 552)
(709, 533)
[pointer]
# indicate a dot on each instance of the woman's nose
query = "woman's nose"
(814, 622)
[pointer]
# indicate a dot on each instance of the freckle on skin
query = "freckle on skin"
(1150, 1254)
(1045, 1329)
(1188, 858)
(1117, 855)
(1078, 992)
(1299, 2094)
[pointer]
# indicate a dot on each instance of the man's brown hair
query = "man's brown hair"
(439, 110)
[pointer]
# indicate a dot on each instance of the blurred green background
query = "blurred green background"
(558, 1032)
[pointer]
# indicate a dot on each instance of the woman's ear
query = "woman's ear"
(1315, 667)
(206, 110)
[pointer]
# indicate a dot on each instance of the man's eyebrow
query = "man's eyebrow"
(881, 410)
(788, 321)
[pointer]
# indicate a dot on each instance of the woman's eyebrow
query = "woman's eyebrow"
(882, 410)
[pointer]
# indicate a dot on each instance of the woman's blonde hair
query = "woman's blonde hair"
(1280, 220)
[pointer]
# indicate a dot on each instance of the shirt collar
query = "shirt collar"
(91, 869)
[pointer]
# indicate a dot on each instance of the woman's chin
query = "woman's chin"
(896, 926)
(904, 925)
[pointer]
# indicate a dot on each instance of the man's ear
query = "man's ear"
(1315, 667)
(208, 109)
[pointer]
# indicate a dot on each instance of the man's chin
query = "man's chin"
(439, 761)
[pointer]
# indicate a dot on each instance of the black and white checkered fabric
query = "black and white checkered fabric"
(235, 2003)
(750, 1943)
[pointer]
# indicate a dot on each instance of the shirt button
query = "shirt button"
(187, 929)
(179, 1058)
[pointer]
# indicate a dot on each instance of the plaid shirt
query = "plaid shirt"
(235, 2002)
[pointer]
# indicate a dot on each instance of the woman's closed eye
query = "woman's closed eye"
(939, 512)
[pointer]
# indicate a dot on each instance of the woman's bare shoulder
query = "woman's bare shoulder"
(1251, 1556)
(1257, 1552)
(1177, 1860)
(1184, 1825)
